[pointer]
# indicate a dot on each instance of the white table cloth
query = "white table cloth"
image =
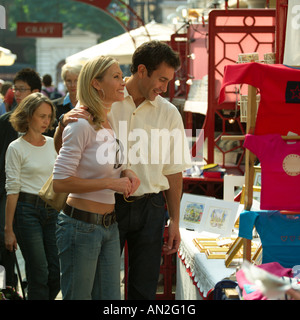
(197, 275)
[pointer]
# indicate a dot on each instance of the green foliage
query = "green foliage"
(73, 14)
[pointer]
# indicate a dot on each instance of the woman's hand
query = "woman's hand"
(10, 208)
(124, 186)
(135, 181)
(10, 241)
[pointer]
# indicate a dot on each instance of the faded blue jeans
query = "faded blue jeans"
(89, 258)
(34, 227)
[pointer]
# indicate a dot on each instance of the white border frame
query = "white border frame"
(219, 207)
(190, 200)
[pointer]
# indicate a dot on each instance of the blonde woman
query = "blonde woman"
(29, 222)
(89, 168)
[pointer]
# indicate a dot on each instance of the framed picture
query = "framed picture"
(215, 253)
(204, 243)
(232, 186)
(257, 176)
(256, 194)
(191, 210)
(219, 217)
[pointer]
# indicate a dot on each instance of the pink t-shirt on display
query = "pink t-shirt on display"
(280, 171)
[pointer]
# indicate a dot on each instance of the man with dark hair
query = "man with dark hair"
(25, 82)
(48, 89)
(141, 217)
(152, 54)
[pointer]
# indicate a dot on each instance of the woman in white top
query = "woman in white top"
(89, 168)
(29, 221)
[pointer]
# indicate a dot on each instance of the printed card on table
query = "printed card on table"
(191, 210)
(207, 214)
(219, 217)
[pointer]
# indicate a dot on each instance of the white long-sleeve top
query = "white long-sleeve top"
(28, 167)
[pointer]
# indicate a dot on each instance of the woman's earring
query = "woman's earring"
(103, 93)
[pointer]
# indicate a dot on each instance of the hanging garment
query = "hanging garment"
(292, 34)
(279, 234)
(280, 171)
(279, 108)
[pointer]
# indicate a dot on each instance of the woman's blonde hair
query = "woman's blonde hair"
(89, 96)
(23, 113)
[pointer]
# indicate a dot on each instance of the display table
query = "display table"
(196, 276)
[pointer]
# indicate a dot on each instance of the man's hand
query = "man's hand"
(173, 240)
(74, 114)
(135, 181)
(173, 196)
(71, 116)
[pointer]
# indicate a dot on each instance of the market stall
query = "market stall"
(272, 106)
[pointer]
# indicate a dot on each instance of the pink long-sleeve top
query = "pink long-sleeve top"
(88, 154)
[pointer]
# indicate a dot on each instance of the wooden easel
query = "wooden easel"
(249, 165)
(249, 172)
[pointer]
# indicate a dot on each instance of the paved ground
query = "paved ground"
(59, 297)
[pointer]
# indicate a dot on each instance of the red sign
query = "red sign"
(40, 29)
(102, 4)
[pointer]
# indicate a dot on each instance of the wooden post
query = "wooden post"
(249, 163)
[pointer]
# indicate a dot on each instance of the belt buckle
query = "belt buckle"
(104, 220)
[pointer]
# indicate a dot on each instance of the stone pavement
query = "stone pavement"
(59, 296)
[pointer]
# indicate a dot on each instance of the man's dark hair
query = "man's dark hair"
(31, 77)
(152, 54)
(47, 80)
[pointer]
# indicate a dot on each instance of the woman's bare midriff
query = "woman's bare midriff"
(90, 206)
